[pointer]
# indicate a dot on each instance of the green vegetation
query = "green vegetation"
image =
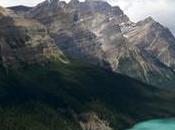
(52, 97)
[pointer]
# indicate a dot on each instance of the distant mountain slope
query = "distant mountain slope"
(77, 96)
(20, 8)
(6, 12)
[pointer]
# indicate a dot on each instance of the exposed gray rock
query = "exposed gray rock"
(25, 41)
(98, 33)
(95, 31)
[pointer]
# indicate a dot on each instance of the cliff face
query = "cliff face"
(151, 36)
(98, 33)
(25, 40)
(102, 34)
(6, 12)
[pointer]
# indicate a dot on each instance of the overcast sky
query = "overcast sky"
(161, 10)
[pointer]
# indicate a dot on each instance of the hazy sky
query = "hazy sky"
(161, 10)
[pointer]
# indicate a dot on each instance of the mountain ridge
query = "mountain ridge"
(114, 38)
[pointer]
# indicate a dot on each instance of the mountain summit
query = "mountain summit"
(100, 33)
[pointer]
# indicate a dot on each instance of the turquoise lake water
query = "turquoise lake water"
(161, 124)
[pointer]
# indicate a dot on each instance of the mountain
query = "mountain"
(24, 40)
(155, 39)
(20, 8)
(98, 33)
(57, 67)
(6, 12)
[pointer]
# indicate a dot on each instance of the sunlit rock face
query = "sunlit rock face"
(155, 39)
(6, 12)
(25, 41)
(98, 33)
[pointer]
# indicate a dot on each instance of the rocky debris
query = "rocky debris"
(90, 121)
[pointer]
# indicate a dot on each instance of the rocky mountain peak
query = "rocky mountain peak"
(53, 1)
(20, 8)
(95, 1)
(48, 4)
(148, 20)
(46, 8)
(102, 34)
(98, 6)
(74, 2)
(117, 11)
(98, 3)
(6, 12)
